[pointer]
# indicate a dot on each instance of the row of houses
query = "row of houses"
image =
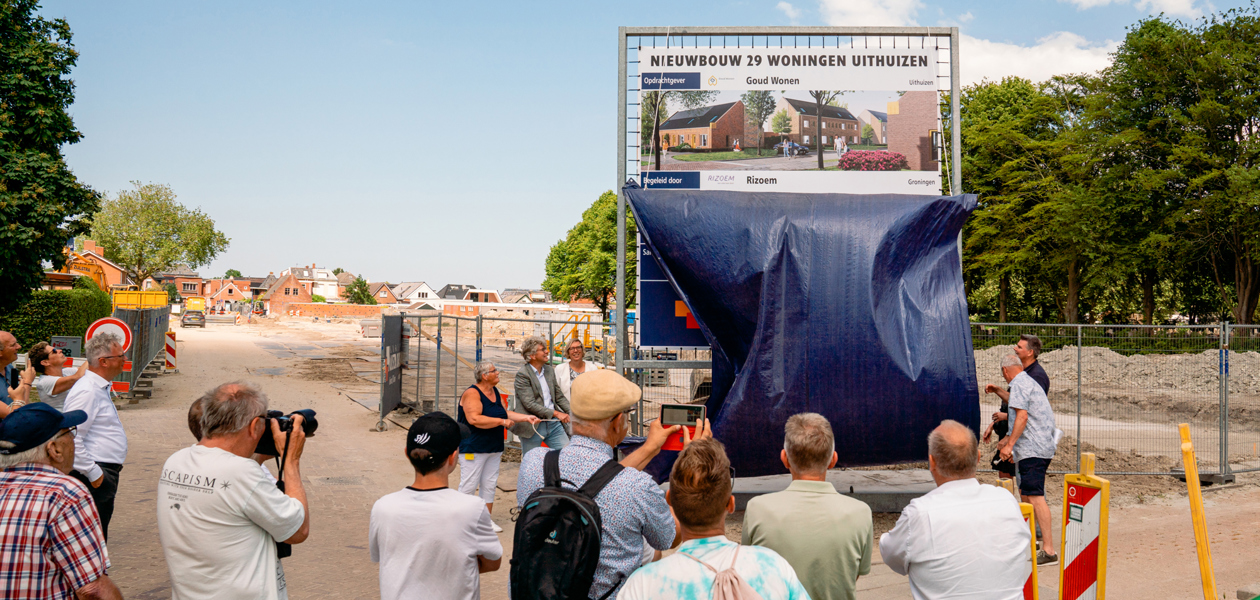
(906, 127)
(305, 284)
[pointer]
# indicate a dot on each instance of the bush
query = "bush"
(318, 298)
(873, 160)
(57, 312)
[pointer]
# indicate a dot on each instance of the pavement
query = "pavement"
(347, 466)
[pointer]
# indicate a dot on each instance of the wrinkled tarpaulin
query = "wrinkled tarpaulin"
(851, 306)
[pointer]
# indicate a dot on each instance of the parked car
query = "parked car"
(794, 148)
(193, 318)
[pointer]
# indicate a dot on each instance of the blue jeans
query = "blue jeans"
(551, 432)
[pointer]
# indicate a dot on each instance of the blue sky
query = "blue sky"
(441, 142)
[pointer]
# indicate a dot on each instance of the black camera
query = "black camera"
(267, 445)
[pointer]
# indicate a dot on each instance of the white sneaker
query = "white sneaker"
(496, 527)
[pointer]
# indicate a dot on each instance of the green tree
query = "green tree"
(822, 98)
(231, 273)
(172, 293)
(583, 265)
(649, 121)
(656, 105)
(758, 106)
(358, 292)
(338, 271)
(318, 298)
(42, 204)
(781, 123)
(146, 231)
(868, 133)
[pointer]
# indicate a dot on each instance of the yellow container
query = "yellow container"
(136, 299)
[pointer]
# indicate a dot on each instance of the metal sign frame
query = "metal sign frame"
(625, 33)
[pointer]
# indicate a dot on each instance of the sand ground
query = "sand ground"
(348, 466)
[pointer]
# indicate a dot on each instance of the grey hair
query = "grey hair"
(481, 370)
(599, 426)
(230, 407)
(1010, 360)
(531, 345)
(38, 454)
(809, 442)
(99, 346)
(953, 459)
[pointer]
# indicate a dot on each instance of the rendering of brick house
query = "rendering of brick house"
(911, 122)
(879, 125)
(708, 127)
(836, 122)
(285, 291)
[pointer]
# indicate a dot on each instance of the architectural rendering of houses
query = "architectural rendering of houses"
(879, 125)
(911, 122)
(836, 122)
(709, 127)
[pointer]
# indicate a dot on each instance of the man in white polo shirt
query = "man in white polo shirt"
(100, 448)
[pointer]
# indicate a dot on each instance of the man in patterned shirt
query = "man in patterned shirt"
(632, 507)
(51, 544)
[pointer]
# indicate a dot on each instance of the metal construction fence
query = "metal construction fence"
(1118, 391)
(148, 340)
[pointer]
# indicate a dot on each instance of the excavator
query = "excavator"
(78, 265)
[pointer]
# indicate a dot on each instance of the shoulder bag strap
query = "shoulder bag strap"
(551, 469)
(600, 478)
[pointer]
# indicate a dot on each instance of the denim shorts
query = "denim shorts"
(1032, 476)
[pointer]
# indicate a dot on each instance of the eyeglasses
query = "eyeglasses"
(73, 431)
(114, 356)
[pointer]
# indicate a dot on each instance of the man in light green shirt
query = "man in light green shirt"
(826, 537)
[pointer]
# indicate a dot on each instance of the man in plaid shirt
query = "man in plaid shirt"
(50, 534)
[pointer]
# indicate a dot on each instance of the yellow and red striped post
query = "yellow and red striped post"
(1083, 545)
(170, 352)
(1030, 586)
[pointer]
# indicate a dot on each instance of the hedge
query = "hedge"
(872, 160)
(57, 312)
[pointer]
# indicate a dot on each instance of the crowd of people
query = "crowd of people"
(587, 523)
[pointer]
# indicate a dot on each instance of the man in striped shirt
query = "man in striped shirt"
(51, 544)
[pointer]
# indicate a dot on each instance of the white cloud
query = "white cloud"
(1057, 54)
(870, 13)
(1087, 4)
(792, 12)
(1181, 8)
(966, 18)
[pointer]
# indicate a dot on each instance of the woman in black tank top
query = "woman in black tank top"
(481, 408)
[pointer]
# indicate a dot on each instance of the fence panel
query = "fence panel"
(1243, 398)
(148, 339)
(1120, 390)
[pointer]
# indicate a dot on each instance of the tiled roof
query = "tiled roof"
(696, 117)
(808, 108)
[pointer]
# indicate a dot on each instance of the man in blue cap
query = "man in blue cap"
(51, 545)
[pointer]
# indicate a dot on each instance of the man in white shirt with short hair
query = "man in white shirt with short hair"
(962, 539)
(100, 448)
(432, 541)
(218, 517)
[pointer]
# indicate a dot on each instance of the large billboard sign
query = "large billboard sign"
(755, 119)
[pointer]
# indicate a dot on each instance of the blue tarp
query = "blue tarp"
(851, 306)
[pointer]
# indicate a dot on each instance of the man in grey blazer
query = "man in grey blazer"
(538, 394)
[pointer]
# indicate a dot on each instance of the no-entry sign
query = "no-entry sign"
(110, 325)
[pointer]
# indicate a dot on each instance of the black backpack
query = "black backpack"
(555, 548)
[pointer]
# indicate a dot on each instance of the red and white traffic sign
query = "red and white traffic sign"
(111, 325)
(1082, 529)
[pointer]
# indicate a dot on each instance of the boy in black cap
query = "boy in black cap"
(430, 540)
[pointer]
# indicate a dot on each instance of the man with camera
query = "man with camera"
(218, 518)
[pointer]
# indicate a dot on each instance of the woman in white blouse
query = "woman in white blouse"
(567, 372)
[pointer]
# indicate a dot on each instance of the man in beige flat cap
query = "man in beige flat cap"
(632, 506)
